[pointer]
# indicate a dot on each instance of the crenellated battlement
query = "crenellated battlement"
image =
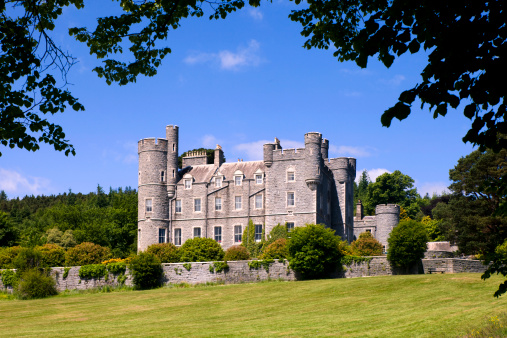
(387, 209)
(196, 153)
(289, 154)
(313, 137)
(152, 144)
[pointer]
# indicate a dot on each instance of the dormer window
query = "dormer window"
(218, 182)
(188, 184)
(258, 179)
(237, 180)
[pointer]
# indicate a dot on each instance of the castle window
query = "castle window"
(218, 182)
(291, 177)
(368, 230)
(237, 180)
(188, 184)
(173, 173)
(258, 201)
(197, 232)
(162, 178)
(177, 236)
(218, 203)
(161, 235)
(149, 205)
(174, 147)
(290, 226)
(197, 205)
(258, 232)
(258, 179)
(177, 206)
(290, 199)
(237, 234)
(237, 202)
(218, 234)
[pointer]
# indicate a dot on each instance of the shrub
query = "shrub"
(166, 252)
(28, 258)
(201, 250)
(146, 271)
(344, 248)
(236, 253)
(92, 271)
(7, 256)
(253, 247)
(9, 277)
(279, 231)
(86, 253)
(276, 250)
(407, 243)
(34, 283)
(52, 255)
(117, 268)
(366, 245)
(313, 251)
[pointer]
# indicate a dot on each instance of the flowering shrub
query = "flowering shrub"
(276, 250)
(366, 245)
(52, 255)
(166, 252)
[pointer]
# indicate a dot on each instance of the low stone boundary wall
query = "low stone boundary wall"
(453, 265)
(241, 272)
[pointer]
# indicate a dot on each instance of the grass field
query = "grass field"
(391, 306)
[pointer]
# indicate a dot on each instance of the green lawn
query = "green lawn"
(389, 306)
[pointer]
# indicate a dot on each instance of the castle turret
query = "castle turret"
(313, 142)
(387, 217)
(152, 195)
(172, 159)
(359, 211)
(268, 154)
(344, 173)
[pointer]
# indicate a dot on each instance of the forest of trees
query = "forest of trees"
(108, 219)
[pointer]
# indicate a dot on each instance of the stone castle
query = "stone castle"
(217, 200)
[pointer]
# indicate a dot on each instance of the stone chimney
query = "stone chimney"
(219, 156)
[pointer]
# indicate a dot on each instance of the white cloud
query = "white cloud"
(14, 182)
(395, 81)
(255, 13)
(125, 152)
(432, 188)
(352, 151)
(227, 60)
(209, 141)
(372, 173)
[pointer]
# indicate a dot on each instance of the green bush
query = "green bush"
(7, 256)
(92, 271)
(146, 271)
(27, 259)
(253, 247)
(279, 231)
(52, 255)
(117, 268)
(201, 250)
(236, 253)
(276, 250)
(9, 277)
(34, 283)
(366, 245)
(166, 252)
(87, 253)
(313, 251)
(407, 243)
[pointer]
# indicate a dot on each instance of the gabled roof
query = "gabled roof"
(200, 173)
(248, 169)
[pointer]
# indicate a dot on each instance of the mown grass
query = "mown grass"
(390, 306)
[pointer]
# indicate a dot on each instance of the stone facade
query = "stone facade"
(217, 200)
(386, 217)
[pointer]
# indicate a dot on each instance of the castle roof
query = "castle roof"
(201, 173)
(247, 168)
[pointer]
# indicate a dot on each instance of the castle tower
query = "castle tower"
(313, 142)
(172, 159)
(152, 195)
(344, 173)
(324, 148)
(387, 217)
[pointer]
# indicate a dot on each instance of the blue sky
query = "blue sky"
(238, 82)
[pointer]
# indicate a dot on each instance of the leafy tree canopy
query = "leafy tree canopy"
(466, 41)
(407, 243)
(395, 188)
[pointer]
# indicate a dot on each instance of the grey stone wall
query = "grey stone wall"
(454, 265)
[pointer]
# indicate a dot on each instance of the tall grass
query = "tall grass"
(391, 306)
